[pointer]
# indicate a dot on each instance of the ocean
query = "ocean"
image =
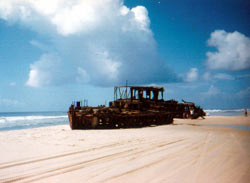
(228, 112)
(25, 120)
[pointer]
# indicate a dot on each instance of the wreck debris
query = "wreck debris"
(133, 106)
(185, 109)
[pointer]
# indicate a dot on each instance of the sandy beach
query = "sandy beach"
(187, 151)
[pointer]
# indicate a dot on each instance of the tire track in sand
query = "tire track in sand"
(67, 167)
(80, 165)
(54, 157)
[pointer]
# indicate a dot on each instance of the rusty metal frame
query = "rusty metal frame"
(132, 92)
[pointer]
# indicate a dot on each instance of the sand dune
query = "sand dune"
(183, 152)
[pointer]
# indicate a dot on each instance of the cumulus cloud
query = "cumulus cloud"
(233, 51)
(219, 76)
(212, 91)
(82, 75)
(192, 75)
(244, 93)
(48, 70)
(102, 42)
(207, 76)
(39, 45)
(223, 76)
(243, 76)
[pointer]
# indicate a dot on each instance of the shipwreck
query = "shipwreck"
(133, 106)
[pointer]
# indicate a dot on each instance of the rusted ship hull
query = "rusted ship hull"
(79, 120)
(133, 106)
(184, 110)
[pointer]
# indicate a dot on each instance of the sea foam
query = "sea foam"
(10, 121)
(225, 112)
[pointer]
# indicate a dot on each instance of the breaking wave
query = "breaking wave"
(28, 118)
(225, 112)
(11, 121)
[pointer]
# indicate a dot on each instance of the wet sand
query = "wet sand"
(187, 151)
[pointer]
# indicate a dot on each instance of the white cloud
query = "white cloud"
(82, 75)
(212, 91)
(207, 76)
(192, 75)
(244, 93)
(243, 76)
(47, 71)
(106, 39)
(233, 51)
(124, 10)
(223, 76)
(39, 45)
(141, 17)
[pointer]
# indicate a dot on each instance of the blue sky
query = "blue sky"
(54, 52)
